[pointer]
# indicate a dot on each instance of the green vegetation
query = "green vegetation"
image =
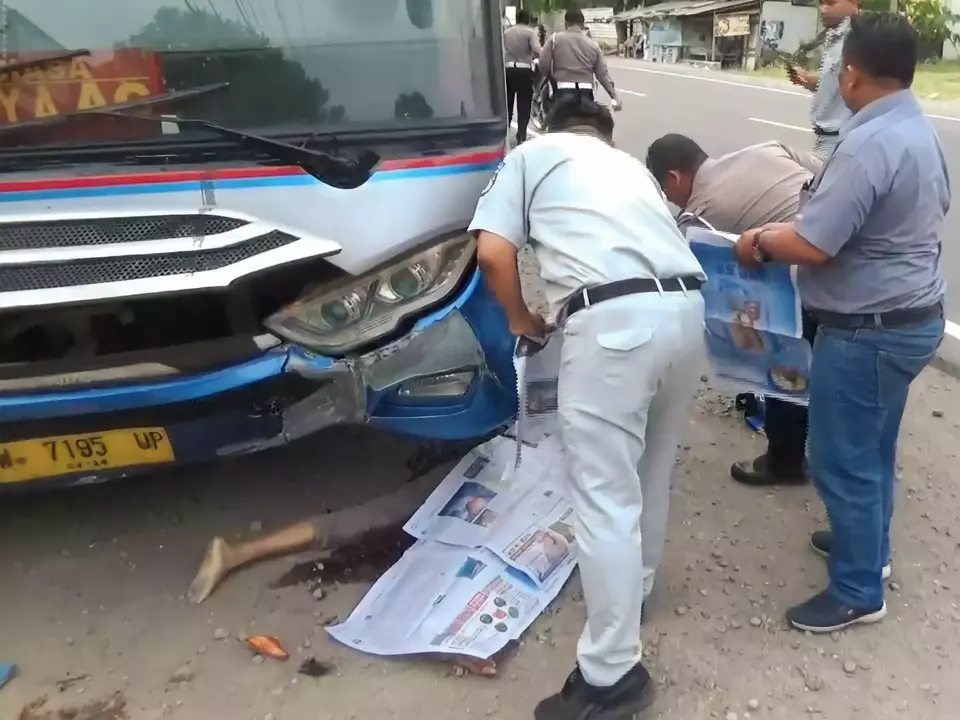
(934, 81)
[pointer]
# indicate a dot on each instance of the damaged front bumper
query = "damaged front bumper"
(450, 378)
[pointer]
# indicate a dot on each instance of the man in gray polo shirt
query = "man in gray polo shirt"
(868, 245)
(828, 112)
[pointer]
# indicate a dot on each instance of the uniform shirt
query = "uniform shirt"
(751, 187)
(593, 214)
(571, 56)
(520, 45)
(828, 111)
(878, 209)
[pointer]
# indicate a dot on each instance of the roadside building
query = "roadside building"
(720, 33)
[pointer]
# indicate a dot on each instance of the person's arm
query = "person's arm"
(602, 72)
(535, 43)
(807, 160)
(500, 227)
(546, 57)
(836, 212)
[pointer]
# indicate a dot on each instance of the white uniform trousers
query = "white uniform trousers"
(824, 145)
(628, 375)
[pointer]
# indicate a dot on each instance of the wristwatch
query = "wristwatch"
(759, 254)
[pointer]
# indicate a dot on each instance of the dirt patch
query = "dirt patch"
(111, 708)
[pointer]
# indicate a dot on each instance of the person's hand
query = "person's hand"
(616, 104)
(803, 78)
(746, 248)
(531, 325)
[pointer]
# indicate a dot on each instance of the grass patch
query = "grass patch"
(934, 81)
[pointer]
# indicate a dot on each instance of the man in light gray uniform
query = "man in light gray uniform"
(828, 112)
(623, 285)
(572, 59)
(868, 245)
(520, 48)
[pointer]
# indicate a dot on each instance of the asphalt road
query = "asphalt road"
(726, 112)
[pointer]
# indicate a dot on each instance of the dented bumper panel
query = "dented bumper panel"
(449, 378)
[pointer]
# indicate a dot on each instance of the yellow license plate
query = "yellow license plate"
(25, 460)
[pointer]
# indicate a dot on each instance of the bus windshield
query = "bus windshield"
(287, 67)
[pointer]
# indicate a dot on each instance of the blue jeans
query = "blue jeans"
(859, 382)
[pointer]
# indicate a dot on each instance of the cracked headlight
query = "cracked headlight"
(336, 320)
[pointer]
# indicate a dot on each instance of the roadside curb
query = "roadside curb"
(948, 356)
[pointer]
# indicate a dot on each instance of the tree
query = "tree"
(933, 20)
(198, 47)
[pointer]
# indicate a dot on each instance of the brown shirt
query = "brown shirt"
(571, 56)
(751, 187)
(520, 45)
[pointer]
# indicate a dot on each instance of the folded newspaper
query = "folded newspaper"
(754, 330)
(491, 555)
(537, 365)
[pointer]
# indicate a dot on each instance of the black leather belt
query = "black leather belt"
(817, 130)
(633, 286)
(878, 321)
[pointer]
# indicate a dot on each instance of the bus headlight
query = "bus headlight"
(337, 320)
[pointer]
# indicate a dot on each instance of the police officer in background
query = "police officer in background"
(572, 59)
(520, 48)
(868, 245)
(623, 285)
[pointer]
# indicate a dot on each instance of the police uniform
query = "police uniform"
(573, 59)
(630, 359)
(750, 188)
(520, 48)
(829, 112)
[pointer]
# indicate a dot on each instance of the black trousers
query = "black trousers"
(567, 94)
(786, 424)
(520, 91)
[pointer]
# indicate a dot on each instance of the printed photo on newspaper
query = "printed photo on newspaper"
(446, 599)
(753, 322)
(527, 522)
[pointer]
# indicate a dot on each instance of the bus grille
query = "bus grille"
(106, 231)
(46, 276)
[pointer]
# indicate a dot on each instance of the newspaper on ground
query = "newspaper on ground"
(754, 330)
(445, 599)
(490, 556)
(527, 522)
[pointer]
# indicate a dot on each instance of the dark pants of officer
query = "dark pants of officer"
(520, 89)
(786, 424)
(568, 94)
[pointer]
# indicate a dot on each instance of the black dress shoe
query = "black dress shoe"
(757, 473)
(626, 700)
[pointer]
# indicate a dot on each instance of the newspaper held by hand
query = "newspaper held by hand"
(537, 365)
(754, 329)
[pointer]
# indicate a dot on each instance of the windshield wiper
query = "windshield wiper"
(175, 96)
(339, 172)
(40, 62)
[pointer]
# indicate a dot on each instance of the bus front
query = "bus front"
(228, 224)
